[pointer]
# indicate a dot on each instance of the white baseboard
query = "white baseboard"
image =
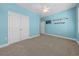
(63, 37)
(77, 42)
(59, 36)
(1, 46)
(34, 36)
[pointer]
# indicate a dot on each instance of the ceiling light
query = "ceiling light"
(45, 10)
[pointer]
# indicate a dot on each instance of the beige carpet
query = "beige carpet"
(42, 46)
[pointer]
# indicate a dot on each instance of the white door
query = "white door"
(42, 27)
(13, 27)
(24, 27)
(18, 27)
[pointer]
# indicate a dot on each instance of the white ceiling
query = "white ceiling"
(54, 7)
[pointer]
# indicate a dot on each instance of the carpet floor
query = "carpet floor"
(44, 45)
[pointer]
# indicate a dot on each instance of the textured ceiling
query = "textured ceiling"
(54, 7)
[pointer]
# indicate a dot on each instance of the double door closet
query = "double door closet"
(18, 27)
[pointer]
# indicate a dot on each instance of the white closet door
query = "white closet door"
(24, 27)
(18, 27)
(42, 27)
(13, 27)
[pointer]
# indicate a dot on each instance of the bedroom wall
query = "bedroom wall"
(3, 25)
(68, 29)
(4, 8)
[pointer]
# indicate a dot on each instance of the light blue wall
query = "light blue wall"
(77, 20)
(3, 25)
(68, 29)
(34, 20)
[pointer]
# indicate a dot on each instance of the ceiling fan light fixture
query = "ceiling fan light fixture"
(45, 10)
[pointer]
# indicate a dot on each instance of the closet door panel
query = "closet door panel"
(10, 29)
(13, 27)
(24, 27)
(16, 23)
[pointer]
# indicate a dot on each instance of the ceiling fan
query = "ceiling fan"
(45, 9)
